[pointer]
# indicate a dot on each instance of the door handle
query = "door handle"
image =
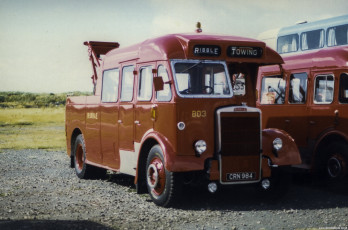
(137, 122)
(312, 122)
(119, 121)
(287, 121)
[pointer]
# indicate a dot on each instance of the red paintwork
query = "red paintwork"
(311, 125)
(112, 128)
(287, 155)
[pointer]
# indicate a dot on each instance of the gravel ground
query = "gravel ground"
(38, 190)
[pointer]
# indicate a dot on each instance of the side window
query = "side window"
(145, 84)
(324, 88)
(110, 85)
(273, 90)
(287, 44)
(337, 35)
(343, 98)
(298, 88)
(166, 93)
(312, 40)
(127, 83)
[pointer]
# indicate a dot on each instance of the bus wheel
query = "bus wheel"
(83, 170)
(337, 161)
(160, 182)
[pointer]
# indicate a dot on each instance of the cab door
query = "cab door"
(128, 158)
(143, 120)
(109, 117)
(297, 110)
(323, 104)
(126, 110)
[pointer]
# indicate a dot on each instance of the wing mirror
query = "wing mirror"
(158, 83)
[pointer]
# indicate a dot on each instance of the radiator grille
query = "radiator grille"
(240, 133)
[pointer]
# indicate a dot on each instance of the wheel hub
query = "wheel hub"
(152, 176)
(156, 176)
(334, 167)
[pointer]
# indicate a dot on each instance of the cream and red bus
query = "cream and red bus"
(307, 36)
(177, 109)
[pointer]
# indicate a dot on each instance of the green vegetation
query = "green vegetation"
(34, 100)
(34, 128)
(32, 120)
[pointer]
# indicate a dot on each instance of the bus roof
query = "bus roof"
(309, 26)
(180, 46)
(335, 57)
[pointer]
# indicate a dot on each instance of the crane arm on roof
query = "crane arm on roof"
(95, 49)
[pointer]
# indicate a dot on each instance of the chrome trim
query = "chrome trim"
(231, 109)
(174, 61)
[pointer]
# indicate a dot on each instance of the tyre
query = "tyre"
(161, 184)
(83, 170)
(336, 161)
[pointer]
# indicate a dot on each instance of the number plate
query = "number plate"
(239, 176)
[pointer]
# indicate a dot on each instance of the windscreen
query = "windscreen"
(201, 78)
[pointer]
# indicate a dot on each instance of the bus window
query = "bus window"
(127, 83)
(110, 85)
(324, 88)
(165, 94)
(344, 88)
(273, 90)
(145, 84)
(298, 88)
(312, 40)
(287, 44)
(337, 35)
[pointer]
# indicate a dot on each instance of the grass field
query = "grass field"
(32, 128)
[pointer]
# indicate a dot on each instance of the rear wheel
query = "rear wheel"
(161, 184)
(83, 170)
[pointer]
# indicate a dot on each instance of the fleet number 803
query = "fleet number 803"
(199, 113)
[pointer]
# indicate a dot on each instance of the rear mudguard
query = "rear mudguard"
(287, 155)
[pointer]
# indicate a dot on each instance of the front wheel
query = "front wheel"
(336, 161)
(161, 184)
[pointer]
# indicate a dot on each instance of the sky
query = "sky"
(41, 41)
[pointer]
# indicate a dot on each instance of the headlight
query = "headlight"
(200, 146)
(277, 144)
(181, 125)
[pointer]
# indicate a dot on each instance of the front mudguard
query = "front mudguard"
(287, 155)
